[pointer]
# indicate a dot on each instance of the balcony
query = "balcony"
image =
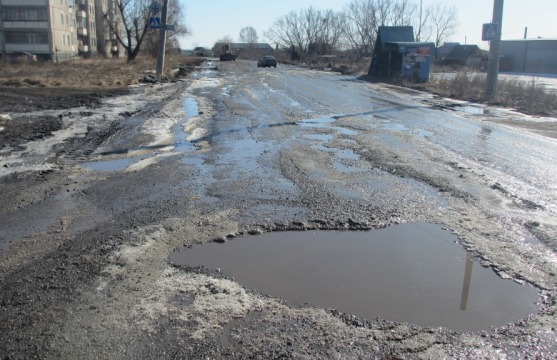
(32, 48)
(25, 25)
(114, 49)
(83, 48)
(82, 31)
(81, 14)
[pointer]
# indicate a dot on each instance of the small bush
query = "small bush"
(33, 82)
(93, 73)
(529, 97)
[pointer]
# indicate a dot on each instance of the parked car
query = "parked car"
(267, 61)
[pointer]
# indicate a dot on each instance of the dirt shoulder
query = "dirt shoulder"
(14, 99)
(48, 86)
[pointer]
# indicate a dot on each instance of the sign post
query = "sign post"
(493, 31)
(162, 40)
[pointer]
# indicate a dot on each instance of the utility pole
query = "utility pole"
(162, 40)
(494, 49)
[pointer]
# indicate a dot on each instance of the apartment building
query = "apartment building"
(107, 26)
(57, 29)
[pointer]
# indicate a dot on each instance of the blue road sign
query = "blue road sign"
(489, 32)
(169, 27)
(155, 23)
(155, 8)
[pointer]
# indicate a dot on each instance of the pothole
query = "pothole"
(415, 273)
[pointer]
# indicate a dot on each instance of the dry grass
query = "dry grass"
(529, 97)
(89, 73)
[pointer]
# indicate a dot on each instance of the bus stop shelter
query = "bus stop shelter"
(396, 54)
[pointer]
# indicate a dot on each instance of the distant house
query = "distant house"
(529, 56)
(465, 55)
(201, 51)
(246, 50)
(445, 49)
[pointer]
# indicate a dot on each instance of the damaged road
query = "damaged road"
(96, 199)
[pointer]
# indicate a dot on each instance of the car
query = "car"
(267, 61)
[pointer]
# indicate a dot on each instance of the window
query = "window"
(26, 38)
(62, 18)
(24, 14)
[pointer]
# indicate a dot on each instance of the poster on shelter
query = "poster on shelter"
(424, 51)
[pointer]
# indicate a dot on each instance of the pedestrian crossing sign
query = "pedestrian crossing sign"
(155, 22)
(489, 32)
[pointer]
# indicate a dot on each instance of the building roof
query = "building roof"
(463, 52)
(241, 46)
(411, 43)
(389, 34)
(526, 40)
(260, 46)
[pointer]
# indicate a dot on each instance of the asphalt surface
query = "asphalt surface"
(95, 199)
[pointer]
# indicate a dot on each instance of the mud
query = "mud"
(26, 99)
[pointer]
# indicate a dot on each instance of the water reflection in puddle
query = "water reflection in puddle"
(413, 273)
(347, 169)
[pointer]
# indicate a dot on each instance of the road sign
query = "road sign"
(155, 8)
(155, 23)
(489, 32)
(169, 27)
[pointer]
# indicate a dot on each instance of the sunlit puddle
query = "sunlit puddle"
(346, 168)
(401, 128)
(112, 165)
(324, 122)
(473, 110)
(181, 143)
(414, 273)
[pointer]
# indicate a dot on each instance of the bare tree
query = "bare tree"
(287, 33)
(248, 35)
(307, 32)
(175, 17)
(226, 39)
(443, 21)
(360, 18)
(135, 21)
(363, 17)
(422, 28)
(403, 12)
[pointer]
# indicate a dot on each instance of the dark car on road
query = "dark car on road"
(267, 61)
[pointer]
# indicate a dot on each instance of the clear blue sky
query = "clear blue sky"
(214, 19)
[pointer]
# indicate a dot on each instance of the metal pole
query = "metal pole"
(162, 40)
(494, 49)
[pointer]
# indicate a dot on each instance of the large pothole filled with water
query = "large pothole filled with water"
(415, 273)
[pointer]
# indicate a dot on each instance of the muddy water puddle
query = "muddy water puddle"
(181, 144)
(414, 273)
